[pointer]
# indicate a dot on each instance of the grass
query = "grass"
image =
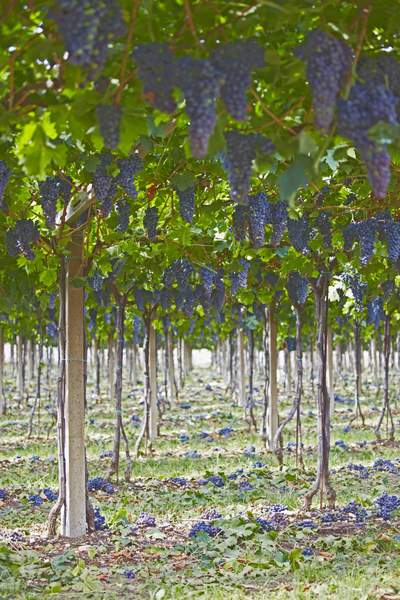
(243, 561)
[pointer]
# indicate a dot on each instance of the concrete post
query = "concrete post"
(329, 370)
(153, 416)
(272, 417)
(171, 381)
(20, 376)
(75, 500)
(242, 377)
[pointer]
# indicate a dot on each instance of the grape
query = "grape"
(357, 288)
(388, 288)
(96, 280)
(93, 319)
(190, 302)
(328, 62)
(349, 235)
(239, 158)
(200, 82)
(381, 69)
(210, 514)
(183, 270)
(48, 200)
(291, 344)
(109, 117)
(364, 108)
(299, 234)
(186, 203)
(145, 520)
(169, 276)
(5, 173)
(105, 207)
(203, 298)
(297, 287)
(272, 278)
(157, 296)
(35, 500)
(203, 527)
(376, 314)
(366, 233)
(95, 484)
(155, 69)
(150, 222)
(99, 521)
(218, 298)
(101, 179)
(139, 296)
(164, 299)
(52, 299)
(279, 219)
(19, 239)
(239, 218)
(349, 199)
(137, 323)
(392, 234)
(102, 297)
(116, 266)
(178, 297)
(259, 215)
(243, 274)
(207, 275)
(324, 225)
(150, 297)
(50, 495)
(234, 277)
(237, 61)
(64, 188)
(87, 27)
(128, 169)
(123, 208)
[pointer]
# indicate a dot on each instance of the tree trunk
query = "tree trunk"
(322, 479)
(3, 403)
(357, 404)
(20, 376)
(296, 404)
(111, 365)
(38, 381)
(329, 371)
(250, 401)
(153, 416)
(171, 377)
(386, 357)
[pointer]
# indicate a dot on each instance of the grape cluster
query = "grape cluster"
(179, 299)
(276, 508)
(207, 275)
(96, 280)
(20, 238)
(266, 525)
(123, 208)
(238, 160)
(203, 527)
(272, 278)
(324, 225)
(150, 222)
(392, 234)
(259, 215)
(203, 298)
(35, 500)
(101, 84)
(164, 298)
(129, 574)
(243, 274)
(128, 169)
(349, 199)
(145, 520)
(218, 298)
(328, 62)
(102, 297)
(234, 278)
(291, 344)
(366, 233)
(87, 27)
(357, 288)
(386, 505)
(140, 297)
(156, 69)
(376, 314)
(178, 480)
(364, 108)
(200, 82)
(307, 551)
(297, 287)
(5, 173)
(186, 203)
(382, 69)
(105, 207)
(214, 479)
(299, 234)
(237, 61)
(99, 521)
(349, 236)
(388, 287)
(93, 319)
(48, 200)
(116, 266)
(279, 219)
(240, 216)
(210, 514)
(50, 495)
(190, 302)
(65, 187)
(381, 464)
(52, 299)
(95, 484)
(3, 494)
(101, 179)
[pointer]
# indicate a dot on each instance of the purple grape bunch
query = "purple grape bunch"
(150, 222)
(20, 238)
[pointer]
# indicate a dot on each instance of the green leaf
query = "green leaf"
(295, 176)
(183, 180)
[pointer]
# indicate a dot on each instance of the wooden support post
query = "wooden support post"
(75, 500)
(273, 389)
(171, 380)
(20, 382)
(329, 370)
(153, 429)
(241, 372)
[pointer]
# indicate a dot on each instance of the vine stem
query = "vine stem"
(363, 30)
(191, 21)
(271, 114)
